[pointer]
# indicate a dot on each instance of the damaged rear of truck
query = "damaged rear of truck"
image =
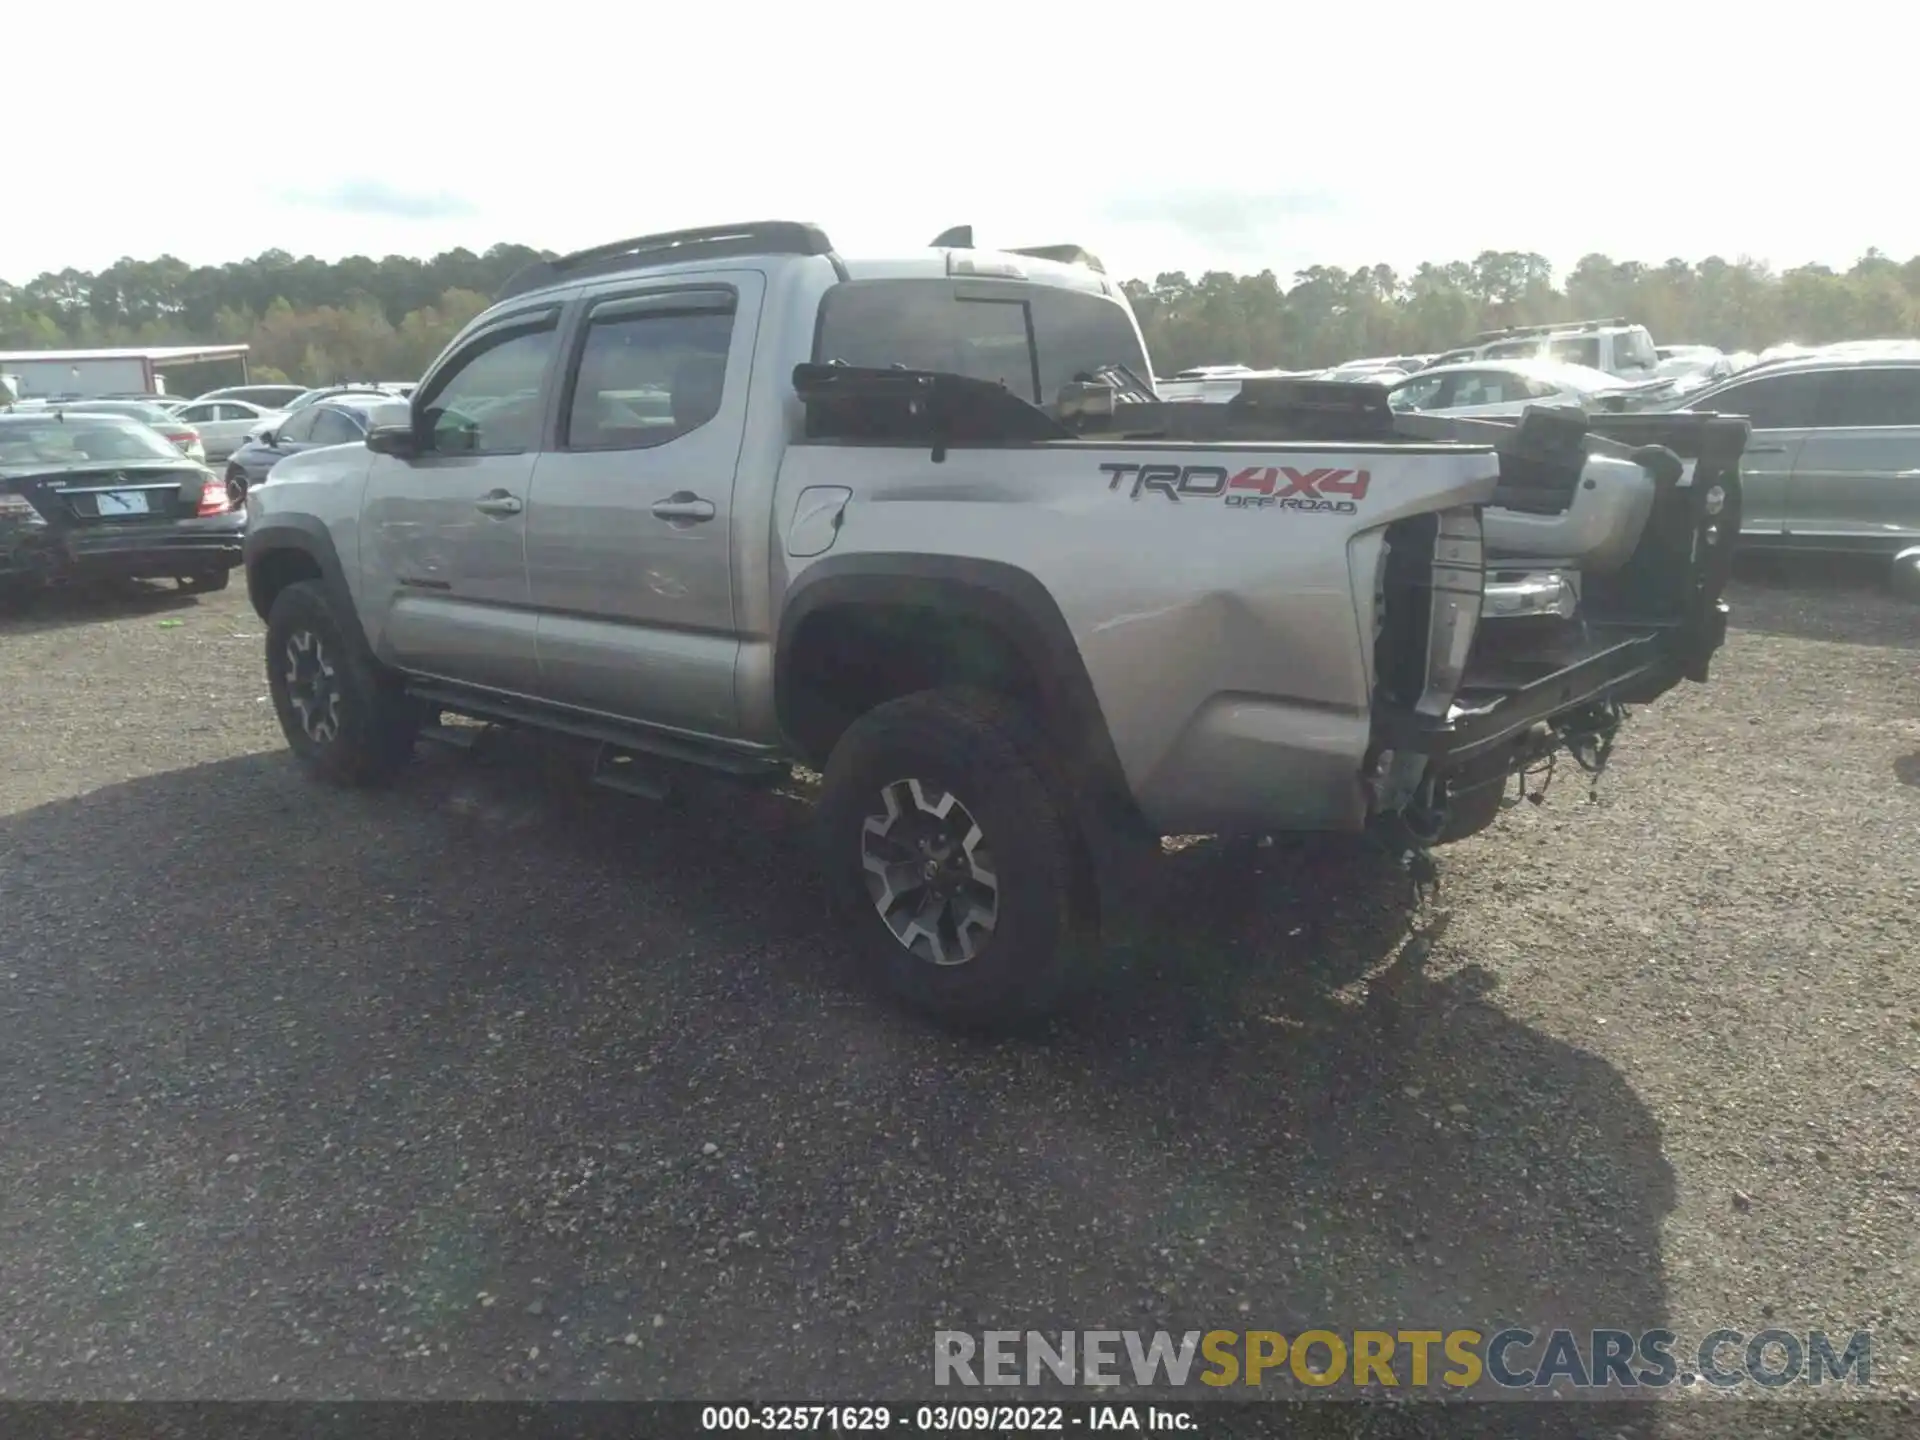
(1300, 611)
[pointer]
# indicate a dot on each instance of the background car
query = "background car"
(1366, 372)
(1508, 387)
(177, 431)
(337, 392)
(267, 397)
(366, 393)
(224, 425)
(341, 421)
(1833, 463)
(92, 493)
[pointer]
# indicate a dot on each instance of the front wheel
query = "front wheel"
(948, 844)
(349, 723)
(236, 487)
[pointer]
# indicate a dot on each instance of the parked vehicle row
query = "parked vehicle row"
(86, 488)
(1508, 387)
(1834, 462)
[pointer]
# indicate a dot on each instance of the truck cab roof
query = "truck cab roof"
(799, 242)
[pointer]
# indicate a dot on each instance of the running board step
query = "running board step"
(460, 737)
(740, 765)
(617, 770)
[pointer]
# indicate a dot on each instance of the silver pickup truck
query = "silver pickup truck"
(729, 499)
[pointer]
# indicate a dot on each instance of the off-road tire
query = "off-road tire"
(203, 582)
(369, 734)
(981, 750)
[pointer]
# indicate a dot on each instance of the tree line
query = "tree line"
(317, 321)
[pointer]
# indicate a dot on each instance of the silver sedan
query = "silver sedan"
(225, 424)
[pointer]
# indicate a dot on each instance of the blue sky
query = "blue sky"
(1160, 137)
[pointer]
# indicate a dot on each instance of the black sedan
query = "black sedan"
(104, 495)
(341, 421)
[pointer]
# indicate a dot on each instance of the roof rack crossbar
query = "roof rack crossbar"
(1558, 327)
(754, 237)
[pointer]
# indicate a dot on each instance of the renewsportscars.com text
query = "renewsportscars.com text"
(1513, 1359)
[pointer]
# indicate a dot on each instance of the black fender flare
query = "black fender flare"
(310, 537)
(1006, 598)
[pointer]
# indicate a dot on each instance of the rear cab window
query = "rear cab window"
(1033, 339)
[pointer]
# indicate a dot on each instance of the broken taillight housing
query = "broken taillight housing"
(1459, 579)
(214, 499)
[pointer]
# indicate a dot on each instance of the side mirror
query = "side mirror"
(395, 440)
(270, 439)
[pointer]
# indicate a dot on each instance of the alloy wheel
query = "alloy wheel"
(930, 874)
(312, 686)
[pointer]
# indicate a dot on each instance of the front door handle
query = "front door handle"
(498, 503)
(683, 505)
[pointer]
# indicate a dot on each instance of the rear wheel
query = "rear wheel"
(348, 721)
(948, 845)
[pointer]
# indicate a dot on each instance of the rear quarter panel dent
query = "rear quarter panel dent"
(1170, 603)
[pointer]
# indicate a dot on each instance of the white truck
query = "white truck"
(1616, 346)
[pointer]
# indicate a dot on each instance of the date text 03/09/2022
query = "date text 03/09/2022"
(942, 1419)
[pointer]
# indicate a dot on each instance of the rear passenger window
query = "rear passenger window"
(1873, 398)
(651, 369)
(929, 325)
(1774, 402)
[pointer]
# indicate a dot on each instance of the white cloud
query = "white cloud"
(1225, 135)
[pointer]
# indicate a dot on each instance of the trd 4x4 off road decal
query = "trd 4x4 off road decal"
(1258, 487)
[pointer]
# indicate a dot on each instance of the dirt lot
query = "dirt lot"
(490, 1087)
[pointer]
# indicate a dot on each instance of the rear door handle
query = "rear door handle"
(498, 503)
(1765, 450)
(683, 505)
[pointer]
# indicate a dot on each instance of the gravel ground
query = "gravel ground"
(490, 1086)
